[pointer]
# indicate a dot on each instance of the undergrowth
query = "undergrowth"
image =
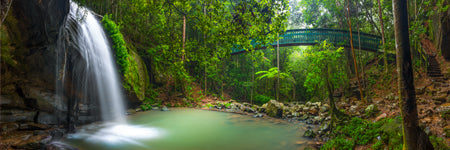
(384, 133)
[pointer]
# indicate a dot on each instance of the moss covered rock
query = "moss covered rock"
(274, 109)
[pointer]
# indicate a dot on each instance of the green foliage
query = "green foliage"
(146, 107)
(339, 143)
(438, 143)
(261, 99)
(272, 73)
(445, 114)
(378, 145)
(325, 63)
(226, 104)
(118, 43)
(131, 66)
(386, 132)
(372, 112)
(209, 105)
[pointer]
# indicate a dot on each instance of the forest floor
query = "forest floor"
(432, 95)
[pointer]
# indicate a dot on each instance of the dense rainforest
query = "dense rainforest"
(235, 54)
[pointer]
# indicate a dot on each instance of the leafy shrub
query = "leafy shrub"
(145, 107)
(261, 99)
(227, 105)
(438, 143)
(209, 105)
(338, 143)
(361, 132)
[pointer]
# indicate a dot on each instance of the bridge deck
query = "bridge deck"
(298, 37)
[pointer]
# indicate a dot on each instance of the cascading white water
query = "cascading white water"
(99, 67)
(94, 76)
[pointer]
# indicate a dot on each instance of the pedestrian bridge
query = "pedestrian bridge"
(299, 37)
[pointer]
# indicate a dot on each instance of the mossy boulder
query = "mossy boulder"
(138, 76)
(274, 109)
(309, 133)
(371, 110)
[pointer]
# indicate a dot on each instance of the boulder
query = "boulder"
(313, 111)
(33, 126)
(443, 108)
(303, 117)
(309, 133)
(8, 127)
(324, 127)
(164, 108)
(431, 89)
(13, 101)
(33, 141)
(371, 109)
(15, 115)
(258, 115)
(441, 98)
(420, 90)
(381, 117)
(274, 109)
(50, 118)
(249, 109)
(295, 114)
(447, 130)
(324, 108)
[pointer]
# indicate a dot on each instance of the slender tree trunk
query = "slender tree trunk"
(204, 39)
(360, 57)
(333, 109)
(184, 38)
(413, 137)
(360, 54)
(382, 38)
(253, 81)
(293, 91)
(6, 13)
(278, 65)
(353, 52)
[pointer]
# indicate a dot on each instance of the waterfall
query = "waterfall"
(93, 76)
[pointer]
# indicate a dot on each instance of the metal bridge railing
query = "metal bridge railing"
(338, 37)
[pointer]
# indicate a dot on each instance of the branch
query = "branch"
(180, 11)
(6, 14)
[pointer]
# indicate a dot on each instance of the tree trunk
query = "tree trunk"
(413, 136)
(353, 52)
(253, 79)
(382, 38)
(360, 58)
(360, 55)
(204, 39)
(184, 38)
(278, 65)
(333, 109)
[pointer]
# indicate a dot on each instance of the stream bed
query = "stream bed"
(191, 129)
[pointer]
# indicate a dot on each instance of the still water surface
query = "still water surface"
(190, 129)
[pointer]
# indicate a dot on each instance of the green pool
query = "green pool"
(190, 129)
